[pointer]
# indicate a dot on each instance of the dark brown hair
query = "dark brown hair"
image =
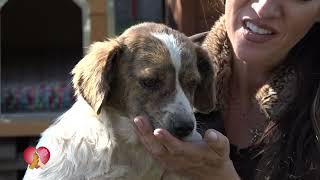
(291, 148)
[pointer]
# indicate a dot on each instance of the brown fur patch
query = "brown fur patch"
(89, 75)
(205, 93)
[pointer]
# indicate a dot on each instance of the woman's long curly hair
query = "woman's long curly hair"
(290, 149)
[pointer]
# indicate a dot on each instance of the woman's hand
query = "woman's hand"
(201, 160)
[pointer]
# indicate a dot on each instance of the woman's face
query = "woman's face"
(263, 31)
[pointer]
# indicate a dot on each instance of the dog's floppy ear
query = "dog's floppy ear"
(204, 98)
(92, 75)
(198, 38)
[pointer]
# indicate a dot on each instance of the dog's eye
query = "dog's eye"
(150, 84)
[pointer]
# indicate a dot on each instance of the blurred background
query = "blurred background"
(41, 40)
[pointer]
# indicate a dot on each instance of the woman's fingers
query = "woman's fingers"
(184, 157)
(213, 139)
(172, 144)
(206, 157)
(176, 147)
(160, 141)
(217, 142)
(145, 132)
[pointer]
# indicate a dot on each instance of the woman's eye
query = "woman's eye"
(150, 84)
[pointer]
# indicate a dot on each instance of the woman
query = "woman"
(268, 97)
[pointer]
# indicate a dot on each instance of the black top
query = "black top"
(243, 159)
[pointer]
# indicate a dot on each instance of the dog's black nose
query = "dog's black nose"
(182, 128)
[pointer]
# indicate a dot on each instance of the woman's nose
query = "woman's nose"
(267, 8)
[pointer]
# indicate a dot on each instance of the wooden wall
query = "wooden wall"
(98, 16)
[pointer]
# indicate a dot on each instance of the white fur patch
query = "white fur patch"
(175, 53)
(181, 102)
(174, 49)
(84, 145)
(80, 146)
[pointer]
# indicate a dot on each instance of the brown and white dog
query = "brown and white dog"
(150, 70)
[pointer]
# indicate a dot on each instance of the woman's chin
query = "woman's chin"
(250, 55)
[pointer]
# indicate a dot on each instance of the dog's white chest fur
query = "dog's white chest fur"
(85, 146)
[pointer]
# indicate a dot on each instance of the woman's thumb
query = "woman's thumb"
(217, 142)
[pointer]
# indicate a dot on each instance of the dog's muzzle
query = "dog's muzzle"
(181, 126)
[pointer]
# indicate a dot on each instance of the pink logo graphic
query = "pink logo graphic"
(36, 157)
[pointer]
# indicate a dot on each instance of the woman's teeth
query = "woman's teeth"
(257, 30)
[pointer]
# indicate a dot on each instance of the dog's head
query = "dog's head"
(150, 70)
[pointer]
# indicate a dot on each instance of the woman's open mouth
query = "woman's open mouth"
(257, 32)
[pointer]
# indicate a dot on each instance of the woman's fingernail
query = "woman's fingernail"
(158, 133)
(213, 135)
(138, 122)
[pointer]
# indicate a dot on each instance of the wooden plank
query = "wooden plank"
(98, 16)
(8, 117)
(25, 125)
(22, 129)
